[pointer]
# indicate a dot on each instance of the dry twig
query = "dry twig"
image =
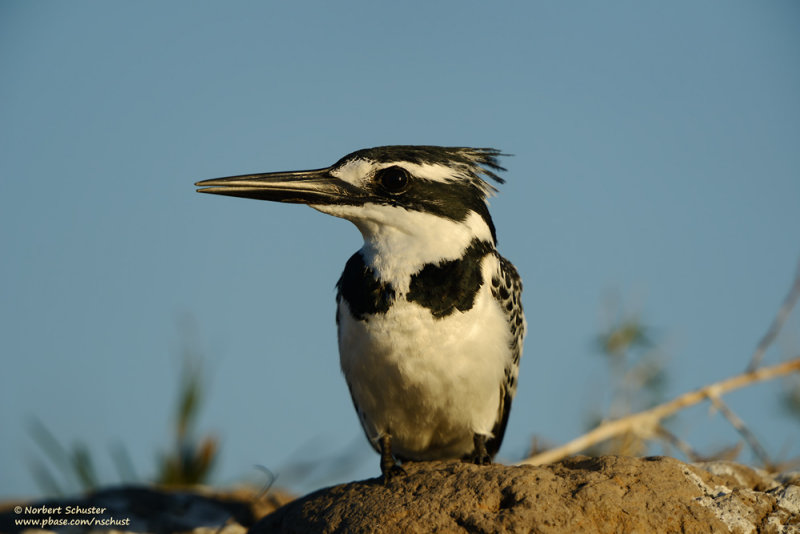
(777, 323)
(647, 423)
(679, 444)
(745, 432)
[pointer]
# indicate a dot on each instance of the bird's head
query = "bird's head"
(400, 197)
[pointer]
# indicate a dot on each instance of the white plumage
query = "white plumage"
(431, 383)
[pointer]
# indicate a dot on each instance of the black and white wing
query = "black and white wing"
(507, 290)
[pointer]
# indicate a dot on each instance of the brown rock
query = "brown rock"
(607, 494)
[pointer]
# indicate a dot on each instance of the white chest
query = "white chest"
(429, 382)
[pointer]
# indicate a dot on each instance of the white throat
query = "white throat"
(399, 242)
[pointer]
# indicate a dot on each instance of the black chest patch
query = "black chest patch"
(363, 291)
(450, 285)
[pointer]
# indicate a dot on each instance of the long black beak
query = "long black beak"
(300, 187)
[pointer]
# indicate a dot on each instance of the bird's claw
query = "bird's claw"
(480, 456)
(481, 459)
(389, 466)
(392, 472)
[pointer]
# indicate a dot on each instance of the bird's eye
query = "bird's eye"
(393, 179)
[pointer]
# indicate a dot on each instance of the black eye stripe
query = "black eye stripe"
(393, 180)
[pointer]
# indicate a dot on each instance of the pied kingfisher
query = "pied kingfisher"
(430, 321)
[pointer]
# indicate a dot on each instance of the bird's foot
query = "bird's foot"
(389, 467)
(391, 472)
(479, 455)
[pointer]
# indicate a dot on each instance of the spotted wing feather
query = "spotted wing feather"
(507, 290)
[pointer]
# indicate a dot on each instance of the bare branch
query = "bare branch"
(777, 323)
(679, 444)
(740, 427)
(647, 423)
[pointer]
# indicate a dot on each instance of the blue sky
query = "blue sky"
(656, 158)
